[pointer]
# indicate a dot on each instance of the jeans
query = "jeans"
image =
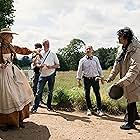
(88, 82)
(50, 80)
(35, 81)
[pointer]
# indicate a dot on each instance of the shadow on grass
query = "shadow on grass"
(31, 131)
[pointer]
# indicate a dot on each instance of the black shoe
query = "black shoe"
(33, 110)
(21, 124)
(4, 128)
(127, 126)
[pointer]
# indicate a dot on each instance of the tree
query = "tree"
(24, 62)
(63, 64)
(106, 56)
(72, 54)
(6, 13)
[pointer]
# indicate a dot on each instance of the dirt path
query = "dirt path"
(60, 125)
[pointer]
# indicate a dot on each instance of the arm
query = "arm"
(114, 72)
(99, 68)
(80, 70)
(100, 71)
(79, 74)
(23, 51)
(133, 71)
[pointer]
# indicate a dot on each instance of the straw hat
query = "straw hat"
(7, 31)
(115, 92)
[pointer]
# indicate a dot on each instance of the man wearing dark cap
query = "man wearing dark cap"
(127, 63)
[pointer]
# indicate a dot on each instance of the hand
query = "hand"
(108, 80)
(118, 84)
(37, 51)
(102, 80)
(49, 67)
(3, 66)
(42, 65)
(79, 83)
(97, 78)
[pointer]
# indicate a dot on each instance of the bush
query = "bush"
(62, 99)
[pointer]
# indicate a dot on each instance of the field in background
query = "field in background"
(68, 95)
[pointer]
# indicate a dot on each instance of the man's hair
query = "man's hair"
(38, 45)
(44, 41)
(126, 32)
(89, 46)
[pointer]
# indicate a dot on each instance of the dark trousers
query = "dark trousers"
(50, 80)
(132, 112)
(88, 82)
(35, 81)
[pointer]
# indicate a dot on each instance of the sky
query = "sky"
(93, 21)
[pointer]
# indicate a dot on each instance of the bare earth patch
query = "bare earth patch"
(61, 125)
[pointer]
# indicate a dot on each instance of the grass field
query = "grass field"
(67, 94)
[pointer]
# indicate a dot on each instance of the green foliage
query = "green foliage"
(63, 64)
(6, 13)
(106, 56)
(68, 95)
(113, 107)
(25, 61)
(61, 98)
(78, 98)
(71, 54)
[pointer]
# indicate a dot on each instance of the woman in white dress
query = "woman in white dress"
(15, 91)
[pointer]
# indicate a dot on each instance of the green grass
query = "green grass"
(68, 96)
(66, 82)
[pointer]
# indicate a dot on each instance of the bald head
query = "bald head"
(88, 50)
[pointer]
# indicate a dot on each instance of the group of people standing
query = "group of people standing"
(17, 95)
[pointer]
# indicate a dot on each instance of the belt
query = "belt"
(89, 77)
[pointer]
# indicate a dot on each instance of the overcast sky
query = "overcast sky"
(93, 21)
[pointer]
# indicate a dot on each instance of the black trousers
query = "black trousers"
(131, 112)
(88, 83)
(35, 81)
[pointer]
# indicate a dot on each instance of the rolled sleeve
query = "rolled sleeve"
(79, 71)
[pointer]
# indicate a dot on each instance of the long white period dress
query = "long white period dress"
(15, 94)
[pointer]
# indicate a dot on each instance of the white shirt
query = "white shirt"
(51, 60)
(89, 67)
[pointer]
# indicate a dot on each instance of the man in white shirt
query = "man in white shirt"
(90, 70)
(48, 64)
